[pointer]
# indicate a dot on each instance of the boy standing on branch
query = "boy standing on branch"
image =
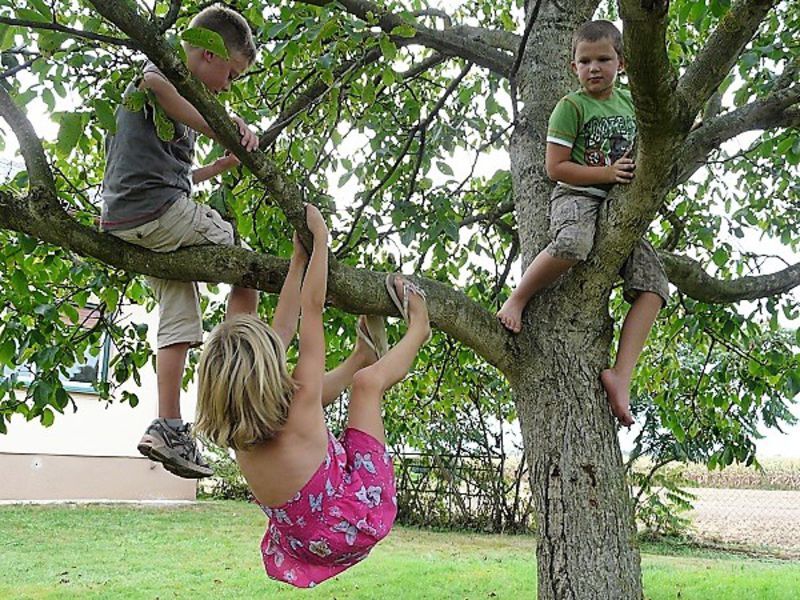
(146, 189)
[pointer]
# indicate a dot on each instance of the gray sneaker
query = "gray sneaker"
(175, 449)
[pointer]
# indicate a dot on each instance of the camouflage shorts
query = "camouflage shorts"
(573, 217)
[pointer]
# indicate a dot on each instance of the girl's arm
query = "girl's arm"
(284, 322)
(311, 363)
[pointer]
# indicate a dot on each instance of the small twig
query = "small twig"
(171, 16)
(512, 78)
(88, 35)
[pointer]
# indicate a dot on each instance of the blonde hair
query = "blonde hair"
(231, 26)
(244, 386)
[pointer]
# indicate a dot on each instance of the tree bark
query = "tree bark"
(586, 546)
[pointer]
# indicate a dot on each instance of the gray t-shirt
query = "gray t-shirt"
(144, 175)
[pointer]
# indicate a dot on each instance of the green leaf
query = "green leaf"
(404, 31)
(444, 167)
(7, 351)
(165, 128)
(6, 37)
(20, 282)
(70, 312)
(49, 42)
(69, 132)
(368, 94)
(135, 101)
(388, 49)
(47, 417)
(785, 146)
(105, 115)
(201, 37)
(309, 158)
(720, 257)
(27, 14)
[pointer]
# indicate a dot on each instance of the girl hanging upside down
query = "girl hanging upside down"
(328, 501)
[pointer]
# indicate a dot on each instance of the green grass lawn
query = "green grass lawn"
(211, 550)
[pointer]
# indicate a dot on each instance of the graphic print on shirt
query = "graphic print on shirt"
(608, 139)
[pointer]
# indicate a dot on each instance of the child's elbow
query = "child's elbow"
(551, 172)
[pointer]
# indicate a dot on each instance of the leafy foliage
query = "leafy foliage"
(660, 499)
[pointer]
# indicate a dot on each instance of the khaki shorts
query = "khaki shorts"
(185, 223)
(573, 217)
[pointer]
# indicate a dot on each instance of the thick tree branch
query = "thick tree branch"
(652, 77)
(690, 278)
(496, 38)
(86, 35)
(704, 75)
(353, 290)
(450, 42)
(780, 109)
(39, 173)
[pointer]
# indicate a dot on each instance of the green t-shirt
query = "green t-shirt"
(598, 132)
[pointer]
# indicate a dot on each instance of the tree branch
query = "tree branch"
(779, 109)
(450, 42)
(353, 290)
(87, 35)
(496, 38)
(171, 16)
(652, 77)
(39, 173)
(21, 67)
(690, 278)
(501, 209)
(312, 93)
(723, 48)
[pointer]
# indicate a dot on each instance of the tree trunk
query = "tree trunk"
(586, 533)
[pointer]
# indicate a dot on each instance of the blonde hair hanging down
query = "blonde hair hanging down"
(244, 386)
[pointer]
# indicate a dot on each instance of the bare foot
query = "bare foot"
(618, 396)
(510, 314)
(417, 309)
(362, 351)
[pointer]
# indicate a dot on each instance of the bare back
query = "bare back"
(276, 470)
